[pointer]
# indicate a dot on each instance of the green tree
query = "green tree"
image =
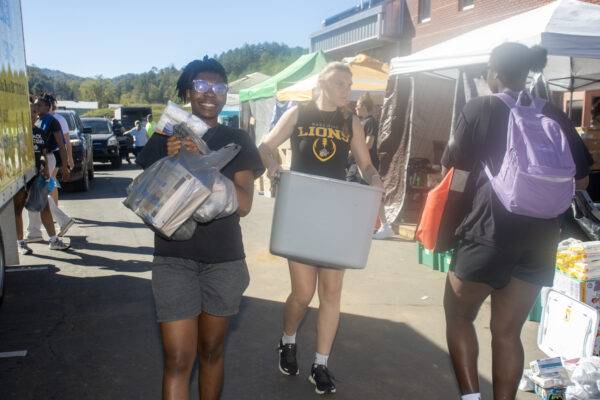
(159, 85)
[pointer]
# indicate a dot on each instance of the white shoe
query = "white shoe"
(64, 229)
(24, 250)
(58, 244)
(384, 232)
(34, 239)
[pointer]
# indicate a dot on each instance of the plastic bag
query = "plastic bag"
(586, 380)
(37, 197)
(223, 200)
(175, 121)
(221, 203)
(167, 194)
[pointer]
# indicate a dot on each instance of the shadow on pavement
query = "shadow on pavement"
(97, 338)
(102, 187)
(79, 243)
(89, 223)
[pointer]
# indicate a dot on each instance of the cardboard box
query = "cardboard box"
(587, 292)
(551, 394)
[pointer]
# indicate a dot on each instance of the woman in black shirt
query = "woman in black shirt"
(322, 133)
(503, 255)
(198, 283)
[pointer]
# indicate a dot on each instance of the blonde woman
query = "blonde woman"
(322, 134)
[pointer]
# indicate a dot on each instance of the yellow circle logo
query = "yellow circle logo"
(324, 149)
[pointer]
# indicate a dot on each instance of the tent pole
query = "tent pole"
(572, 87)
(571, 104)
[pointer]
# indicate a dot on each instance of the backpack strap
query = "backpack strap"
(506, 99)
(484, 128)
(484, 125)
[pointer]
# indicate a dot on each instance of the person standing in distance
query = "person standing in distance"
(65, 222)
(54, 142)
(150, 126)
(365, 109)
(140, 138)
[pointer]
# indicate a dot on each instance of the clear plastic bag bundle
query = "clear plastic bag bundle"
(221, 203)
(176, 191)
(586, 380)
(175, 121)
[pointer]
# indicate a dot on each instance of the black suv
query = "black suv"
(81, 141)
(106, 145)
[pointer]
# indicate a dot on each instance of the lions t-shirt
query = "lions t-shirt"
(487, 221)
(220, 240)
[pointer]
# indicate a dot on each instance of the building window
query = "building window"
(466, 4)
(424, 10)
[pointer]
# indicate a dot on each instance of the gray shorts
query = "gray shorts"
(184, 289)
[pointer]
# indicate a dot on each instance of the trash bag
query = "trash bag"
(586, 380)
(37, 197)
(168, 193)
(586, 215)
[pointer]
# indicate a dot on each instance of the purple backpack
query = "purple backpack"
(536, 178)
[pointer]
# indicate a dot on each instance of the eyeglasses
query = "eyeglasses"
(202, 86)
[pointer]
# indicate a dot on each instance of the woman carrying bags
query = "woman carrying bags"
(198, 283)
(322, 134)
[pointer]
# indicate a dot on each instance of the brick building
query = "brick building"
(436, 21)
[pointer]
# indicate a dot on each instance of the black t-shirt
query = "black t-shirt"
(220, 240)
(371, 127)
(49, 125)
(39, 144)
(321, 142)
(488, 222)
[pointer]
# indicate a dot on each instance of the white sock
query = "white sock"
(321, 359)
(472, 396)
(53, 239)
(285, 339)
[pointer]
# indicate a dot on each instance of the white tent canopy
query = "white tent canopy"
(568, 29)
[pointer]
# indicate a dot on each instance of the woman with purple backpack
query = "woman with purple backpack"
(526, 159)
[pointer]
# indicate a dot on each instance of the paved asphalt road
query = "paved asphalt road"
(86, 318)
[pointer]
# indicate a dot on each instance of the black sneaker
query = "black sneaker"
(322, 379)
(288, 365)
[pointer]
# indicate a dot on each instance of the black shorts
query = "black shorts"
(474, 262)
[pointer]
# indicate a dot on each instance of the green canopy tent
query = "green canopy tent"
(259, 101)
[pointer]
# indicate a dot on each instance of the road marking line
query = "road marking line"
(10, 354)
(26, 269)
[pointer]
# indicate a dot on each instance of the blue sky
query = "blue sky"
(113, 37)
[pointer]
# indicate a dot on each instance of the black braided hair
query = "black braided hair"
(47, 98)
